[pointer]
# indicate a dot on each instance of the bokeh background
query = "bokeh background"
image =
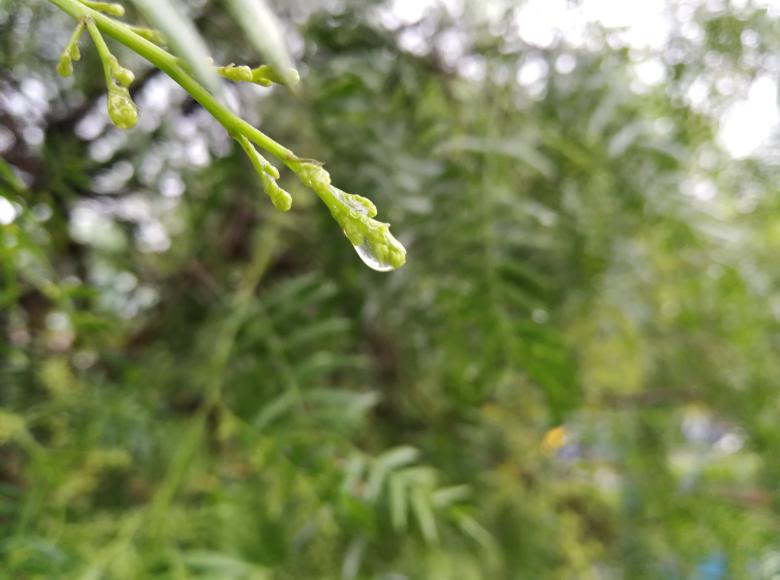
(574, 376)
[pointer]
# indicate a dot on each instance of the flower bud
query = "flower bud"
(265, 75)
(372, 239)
(271, 170)
(74, 52)
(123, 76)
(236, 73)
(279, 197)
(110, 8)
(268, 175)
(396, 255)
(357, 203)
(149, 34)
(121, 109)
(65, 66)
(314, 176)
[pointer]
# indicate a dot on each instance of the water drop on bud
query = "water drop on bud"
(380, 250)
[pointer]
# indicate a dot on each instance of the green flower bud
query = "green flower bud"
(123, 76)
(396, 256)
(315, 177)
(380, 250)
(70, 53)
(236, 73)
(279, 197)
(357, 203)
(149, 34)
(260, 80)
(65, 66)
(121, 108)
(371, 239)
(74, 52)
(353, 233)
(110, 8)
(266, 75)
(271, 170)
(268, 175)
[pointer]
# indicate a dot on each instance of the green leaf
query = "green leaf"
(385, 463)
(421, 505)
(398, 500)
(449, 495)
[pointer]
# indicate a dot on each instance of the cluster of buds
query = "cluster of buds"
(121, 108)
(372, 240)
(264, 75)
(71, 52)
(268, 175)
(355, 214)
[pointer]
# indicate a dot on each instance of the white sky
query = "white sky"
(644, 25)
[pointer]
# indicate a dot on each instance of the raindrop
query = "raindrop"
(381, 253)
(370, 259)
(372, 240)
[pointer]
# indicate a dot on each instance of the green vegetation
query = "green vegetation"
(573, 376)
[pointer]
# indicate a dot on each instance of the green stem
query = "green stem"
(373, 241)
(103, 52)
(74, 40)
(168, 63)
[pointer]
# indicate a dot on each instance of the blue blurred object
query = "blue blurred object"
(713, 567)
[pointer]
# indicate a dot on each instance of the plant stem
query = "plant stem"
(74, 39)
(372, 239)
(103, 52)
(169, 64)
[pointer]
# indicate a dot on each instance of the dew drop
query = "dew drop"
(370, 260)
(381, 254)
(372, 240)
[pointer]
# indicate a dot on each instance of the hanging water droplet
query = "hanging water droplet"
(370, 260)
(384, 255)
(372, 240)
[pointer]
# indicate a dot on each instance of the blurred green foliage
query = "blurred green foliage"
(574, 376)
